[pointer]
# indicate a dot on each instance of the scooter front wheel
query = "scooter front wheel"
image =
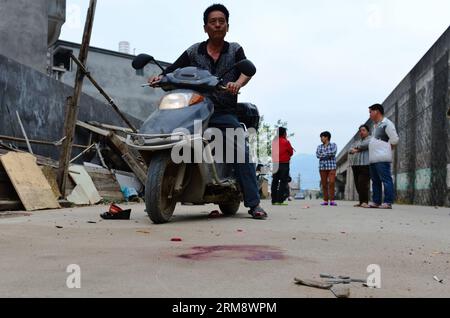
(162, 173)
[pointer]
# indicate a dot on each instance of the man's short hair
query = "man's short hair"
(282, 131)
(377, 107)
(326, 134)
(215, 7)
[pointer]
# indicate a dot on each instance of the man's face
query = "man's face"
(217, 26)
(374, 115)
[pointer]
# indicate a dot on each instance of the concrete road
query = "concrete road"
(225, 257)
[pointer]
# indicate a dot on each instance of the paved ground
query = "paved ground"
(235, 257)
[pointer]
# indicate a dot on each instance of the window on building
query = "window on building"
(62, 60)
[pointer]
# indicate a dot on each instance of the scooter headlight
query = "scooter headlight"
(180, 100)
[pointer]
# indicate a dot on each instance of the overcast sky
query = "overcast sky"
(320, 63)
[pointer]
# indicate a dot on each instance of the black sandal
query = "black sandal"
(116, 215)
(258, 213)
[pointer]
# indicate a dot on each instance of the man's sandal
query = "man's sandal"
(258, 213)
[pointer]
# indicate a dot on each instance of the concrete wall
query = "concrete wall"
(113, 71)
(418, 107)
(56, 19)
(27, 28)
(40, 101)
(23, 31)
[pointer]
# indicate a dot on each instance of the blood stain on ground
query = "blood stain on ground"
(247, 252)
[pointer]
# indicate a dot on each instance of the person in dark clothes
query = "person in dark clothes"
(217, 56)
(282, 153)
(359, 161)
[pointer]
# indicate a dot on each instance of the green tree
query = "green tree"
(261, 143)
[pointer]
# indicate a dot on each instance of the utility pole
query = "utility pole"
(299, 179)
(73, 102)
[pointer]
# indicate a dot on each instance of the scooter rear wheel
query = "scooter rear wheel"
(161, 180)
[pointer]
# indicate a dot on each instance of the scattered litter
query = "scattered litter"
(294, 238)
(59, 227)
(92, 222)
(306, 207)
(240, 231)
(441, 281)
(177, 239)
(143, 232)
(343, 232)
(129, 193)
(313, 283)
(341, 292)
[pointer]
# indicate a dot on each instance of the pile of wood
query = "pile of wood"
(29, 181)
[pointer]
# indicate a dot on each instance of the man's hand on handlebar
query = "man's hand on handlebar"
(234, 88)
(152, 81)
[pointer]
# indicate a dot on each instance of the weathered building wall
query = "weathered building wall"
(418, 107)
(23, 31)
(113, 71)
(40, 101)
(27, 28)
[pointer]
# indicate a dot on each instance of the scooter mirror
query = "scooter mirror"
(141, 61)
(246, 67)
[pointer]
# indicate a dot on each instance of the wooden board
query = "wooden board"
(33, 189)
(50, 175)
(83, 180)
(106, 184)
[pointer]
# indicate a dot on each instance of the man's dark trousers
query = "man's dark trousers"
(280, 182)
(362, 181)
(245, 172)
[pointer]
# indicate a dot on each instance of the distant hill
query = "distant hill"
(308, 167)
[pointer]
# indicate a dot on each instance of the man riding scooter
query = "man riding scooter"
(217, 56)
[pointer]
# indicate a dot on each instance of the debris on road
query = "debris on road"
(441, 281)
(176, 239)
(341, 292)
(59, 227)
(313, 283)
(341, 279)
(143, 232)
